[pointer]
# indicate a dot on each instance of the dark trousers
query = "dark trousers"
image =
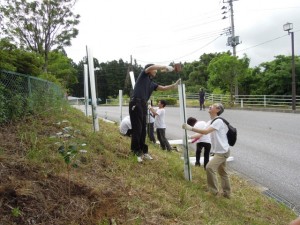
(151, 132)
(161, 136)
(202, 106)
(138, 115)
(128, 133)
(206, 147)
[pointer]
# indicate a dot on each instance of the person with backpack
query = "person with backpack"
(220, 147)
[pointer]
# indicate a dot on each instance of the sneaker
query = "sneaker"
(226, 195)
(147, 156)
(174, 148)
(139, 159)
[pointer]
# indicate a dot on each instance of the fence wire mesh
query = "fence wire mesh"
(21, 95)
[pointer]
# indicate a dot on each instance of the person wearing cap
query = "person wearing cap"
(142, 91)
(202, 141)
(220, 147)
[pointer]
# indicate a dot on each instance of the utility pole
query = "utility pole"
(233, 43)
(288, 27)
(233, 40)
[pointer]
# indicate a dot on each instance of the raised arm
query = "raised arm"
(169, 87)
(159, 67)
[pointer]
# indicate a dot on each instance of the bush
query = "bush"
(171, 101)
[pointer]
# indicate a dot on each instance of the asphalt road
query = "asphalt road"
(267, 149)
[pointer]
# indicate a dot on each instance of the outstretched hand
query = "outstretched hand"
(169, 68)
(177, 83)
(186, 126)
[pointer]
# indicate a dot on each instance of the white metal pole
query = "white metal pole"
(182, 104)
(132, 79)
(121, 103)
(93, 89)
(86, 88)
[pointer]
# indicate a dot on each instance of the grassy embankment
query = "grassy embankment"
(103, 184)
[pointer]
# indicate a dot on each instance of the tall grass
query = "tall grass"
(152, 192)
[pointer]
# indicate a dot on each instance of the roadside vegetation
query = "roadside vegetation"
(56, 170)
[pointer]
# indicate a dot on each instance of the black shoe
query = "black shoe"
(197, 164)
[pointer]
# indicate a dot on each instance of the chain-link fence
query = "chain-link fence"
(21, 95)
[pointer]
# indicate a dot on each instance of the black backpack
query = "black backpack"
(232, 132)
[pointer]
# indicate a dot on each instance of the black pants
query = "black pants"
(151, 132)
(128, 133)
(138, 115)
(206, 147)
(202, 106)
(161, 136)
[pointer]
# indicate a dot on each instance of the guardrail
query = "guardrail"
(241, 101)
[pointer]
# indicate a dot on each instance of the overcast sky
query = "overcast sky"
(164, 31)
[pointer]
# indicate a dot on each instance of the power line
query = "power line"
(200, 24)
(265, 42)
(175, 59)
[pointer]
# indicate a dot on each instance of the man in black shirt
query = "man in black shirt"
(143, 89)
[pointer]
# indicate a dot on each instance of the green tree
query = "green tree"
(7, 55)
(276, 78)
(224, 71)
(196, 73)
(62, 68)
(28, 62)
(249, 82)
(40, 26)
(18, 60)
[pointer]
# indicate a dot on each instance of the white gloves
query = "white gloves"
(149, 106)
(169, 68)
(186, 126)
